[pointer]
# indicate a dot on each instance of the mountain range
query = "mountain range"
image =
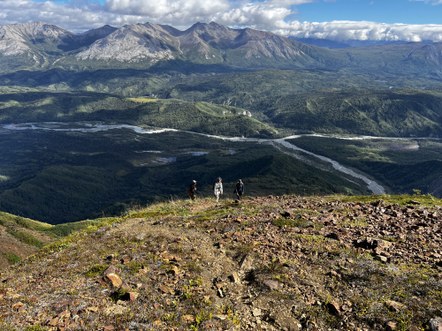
(47, 45)
(40, 45)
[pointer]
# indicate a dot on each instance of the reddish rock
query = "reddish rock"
(115, 280)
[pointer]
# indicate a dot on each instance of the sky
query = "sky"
(409, 20)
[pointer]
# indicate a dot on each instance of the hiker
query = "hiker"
(191, 191)
(239, 189)
(218, 188)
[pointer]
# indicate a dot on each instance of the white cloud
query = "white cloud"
(344, 30)
(69, 17)
(432, 2)
(177, 13)
(265, 16)
(270, 15)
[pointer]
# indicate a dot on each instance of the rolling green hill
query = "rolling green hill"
(395, 113)
(169, 113)
(376, 113)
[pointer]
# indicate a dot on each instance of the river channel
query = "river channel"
(282, 144)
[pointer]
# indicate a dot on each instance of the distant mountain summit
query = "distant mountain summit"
(18, 39)
(132, 43)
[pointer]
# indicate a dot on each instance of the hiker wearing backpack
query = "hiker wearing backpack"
(191, 191)
(239, 189)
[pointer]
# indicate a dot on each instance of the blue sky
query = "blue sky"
(382, 11)
(412, 20)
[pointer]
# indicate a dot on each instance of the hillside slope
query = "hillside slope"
(271, 263)
(20, 237)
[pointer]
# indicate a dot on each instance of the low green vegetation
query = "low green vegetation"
(12, 258)
(25, 237)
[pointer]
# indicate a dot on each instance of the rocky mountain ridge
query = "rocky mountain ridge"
(207, 43)
(266, 263)
(44, 46)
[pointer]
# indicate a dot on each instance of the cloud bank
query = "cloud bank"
(271, 15)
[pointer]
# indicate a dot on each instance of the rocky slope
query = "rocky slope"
(16, 39)
(268, 263)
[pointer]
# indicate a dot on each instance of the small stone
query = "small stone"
(391, 326)
(166, 289)
(436, 324)
(394, 305)
(133, 296)
(18, 305)
(114, 279)
(381, 245)
(174, 270)
(246, 263)
(272, 284)
(115, 310)
(188, 318)
(381, 258)
(256, 312)
(234, 278)
(334, 308)
(111, 270)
